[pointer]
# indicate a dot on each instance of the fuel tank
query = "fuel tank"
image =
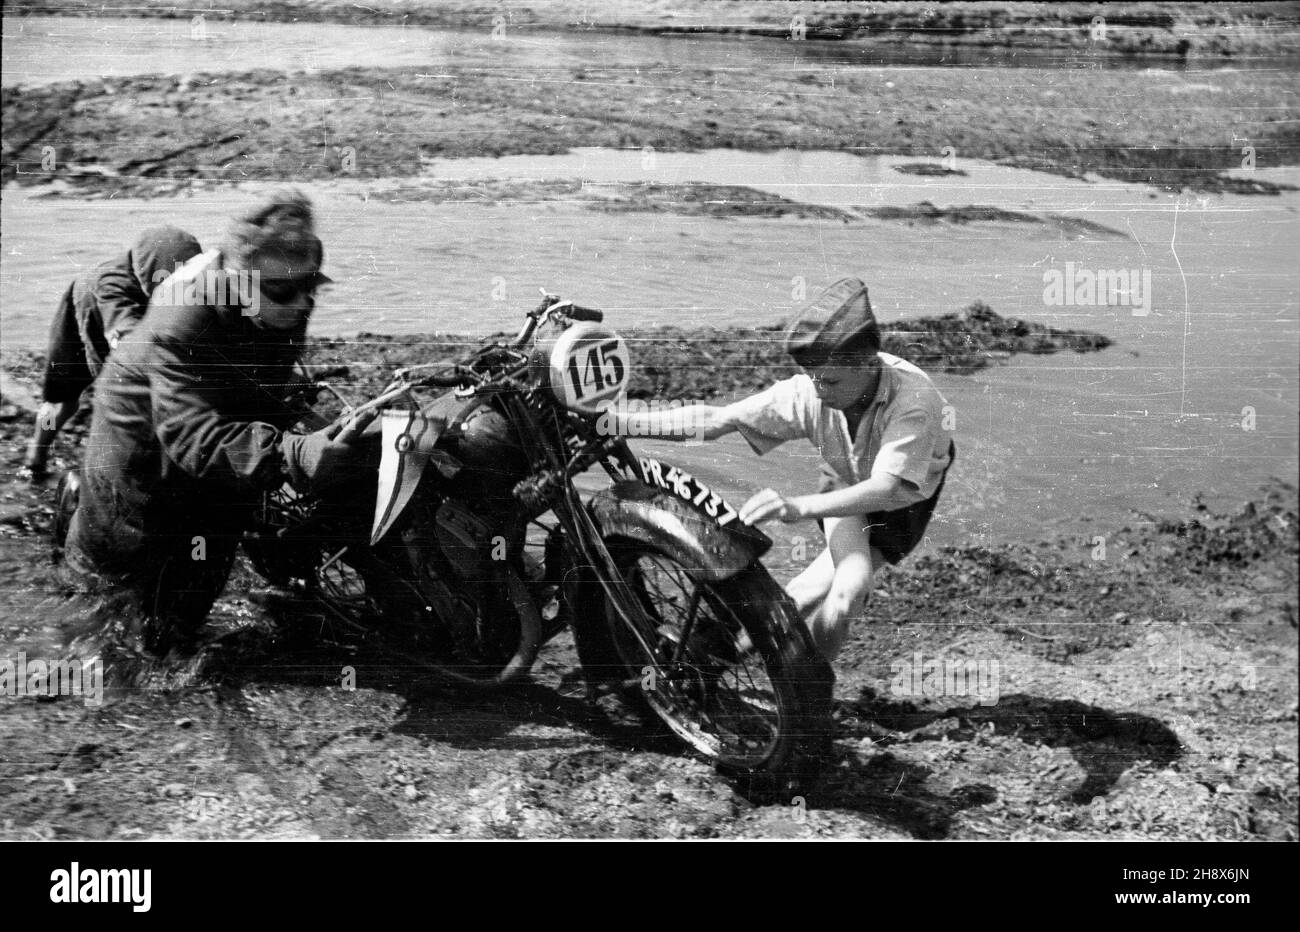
(493, 458)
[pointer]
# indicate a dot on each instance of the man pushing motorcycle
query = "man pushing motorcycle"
(189, 430)
(877, 422)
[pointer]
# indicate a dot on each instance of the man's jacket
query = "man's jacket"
(184, 436)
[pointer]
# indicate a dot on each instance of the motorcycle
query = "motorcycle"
(483, 546)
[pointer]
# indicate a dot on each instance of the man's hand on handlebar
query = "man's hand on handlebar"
(328, 456)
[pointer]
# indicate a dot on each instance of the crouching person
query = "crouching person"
(100, 307)
(187, 434)
(877, 422)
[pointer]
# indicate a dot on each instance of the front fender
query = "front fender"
(410, 442)
(704, 549)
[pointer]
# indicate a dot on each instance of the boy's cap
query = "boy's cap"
(839, 319)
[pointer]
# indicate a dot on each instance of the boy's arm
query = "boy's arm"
(882, 492)
(766, 420)
(692, 422)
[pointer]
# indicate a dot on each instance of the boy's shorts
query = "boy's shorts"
(895, 533)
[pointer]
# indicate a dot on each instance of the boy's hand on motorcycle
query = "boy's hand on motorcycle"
(770, 505)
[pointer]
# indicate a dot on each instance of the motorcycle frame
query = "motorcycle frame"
(553, 468)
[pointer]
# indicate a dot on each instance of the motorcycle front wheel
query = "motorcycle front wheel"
(727, 666)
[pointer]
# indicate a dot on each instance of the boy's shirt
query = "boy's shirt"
(901, 433)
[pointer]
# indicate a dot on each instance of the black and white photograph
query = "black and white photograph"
(650, 420)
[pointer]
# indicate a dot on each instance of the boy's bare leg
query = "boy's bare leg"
(854, 561)
(809, 588)
(50, 418)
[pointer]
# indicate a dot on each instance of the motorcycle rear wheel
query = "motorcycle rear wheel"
(727, 667)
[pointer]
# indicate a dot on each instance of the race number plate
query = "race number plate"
(590, 367)
(688, 488)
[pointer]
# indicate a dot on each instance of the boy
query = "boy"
(877, 422)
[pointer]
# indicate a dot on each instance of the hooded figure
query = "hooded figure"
(189, 431)
(118, 292)
(98, 308)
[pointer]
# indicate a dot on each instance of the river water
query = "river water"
(1199, 394)
(45, 49)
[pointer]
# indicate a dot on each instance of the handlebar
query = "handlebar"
(552, 304)
(450, 380)
(586, 313)
(459, 376)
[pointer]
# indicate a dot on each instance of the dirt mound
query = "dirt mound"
(695, 363)
(683, 363)
(707, 364)
(927, 213)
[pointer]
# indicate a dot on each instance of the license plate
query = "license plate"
(688, 488)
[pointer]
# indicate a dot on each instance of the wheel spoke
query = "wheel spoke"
(711, 689)
(688, 627)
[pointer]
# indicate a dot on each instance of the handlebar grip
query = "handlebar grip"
(586, 313)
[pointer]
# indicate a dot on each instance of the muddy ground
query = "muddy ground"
(142, 136)
(1139, 683)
